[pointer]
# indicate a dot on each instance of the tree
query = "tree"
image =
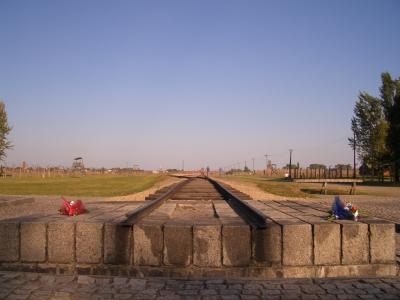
(370, 128)
(375, 128)
(5, 129)
(293, 166)
(388, 92)
(393, 137)
(342, 166)
(317, 166)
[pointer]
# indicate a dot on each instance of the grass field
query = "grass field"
(273, 185)
(97, 186)
(283, 187)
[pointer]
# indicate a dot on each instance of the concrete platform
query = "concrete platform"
(15, 200)
(200, 239)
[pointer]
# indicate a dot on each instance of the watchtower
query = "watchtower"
(77, 164)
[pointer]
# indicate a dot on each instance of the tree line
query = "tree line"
(5, 129)
(376, 130)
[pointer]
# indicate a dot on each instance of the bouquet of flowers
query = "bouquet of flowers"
(72, 208)
(343, 211)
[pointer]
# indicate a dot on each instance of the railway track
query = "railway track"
(197, 192)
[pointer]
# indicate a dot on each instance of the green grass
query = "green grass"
(97, 186)
(275, 186)
(282, 187)
(386, 183)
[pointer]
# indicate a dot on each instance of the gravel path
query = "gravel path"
(15, 285)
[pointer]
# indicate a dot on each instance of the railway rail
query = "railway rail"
(198, 189)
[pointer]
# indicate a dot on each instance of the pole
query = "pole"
(290, 163)
(266, 164)
(354, 155)
(253, 166)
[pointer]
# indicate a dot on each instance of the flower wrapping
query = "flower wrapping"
(72, 208)
(344, 211)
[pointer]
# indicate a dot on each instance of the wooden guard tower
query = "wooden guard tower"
(77, 164)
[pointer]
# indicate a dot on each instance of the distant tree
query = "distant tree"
(342, 166)
(5, 129)
(317, 166)
(370, 129)
(293, 166)
(246, 169)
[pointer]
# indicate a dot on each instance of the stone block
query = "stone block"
(33, 242)
(117, 243)
(355, 243)
(367, 270)
(9, 245)
(327, 244)
(207, 245)
(89, 242)
(236, 245)
(165, 211)
(267, 244)
(177, 244)
(148, 243)
(61, 237)
(297, 244)
(382, 242)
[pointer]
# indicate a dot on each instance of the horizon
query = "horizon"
(210, 83)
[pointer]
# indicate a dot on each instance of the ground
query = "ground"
(61, 287)
(91, 185)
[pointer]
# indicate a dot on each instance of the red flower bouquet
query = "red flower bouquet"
(72, 208)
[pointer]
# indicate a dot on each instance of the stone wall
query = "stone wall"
(286, 248)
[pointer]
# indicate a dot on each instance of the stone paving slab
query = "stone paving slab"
(16, 285)
(15, 200)
(46, 208)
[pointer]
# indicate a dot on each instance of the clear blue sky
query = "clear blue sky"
(210, 82)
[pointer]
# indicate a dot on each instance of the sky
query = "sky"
(213, 83)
